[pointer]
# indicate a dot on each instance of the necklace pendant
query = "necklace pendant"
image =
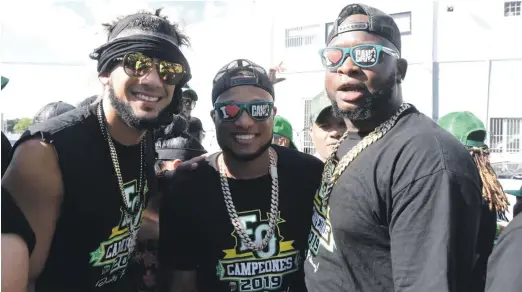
(132, 240)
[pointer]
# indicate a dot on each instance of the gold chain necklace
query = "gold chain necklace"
(131, 210)
(333, 170)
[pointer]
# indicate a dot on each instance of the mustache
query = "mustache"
(144, 88)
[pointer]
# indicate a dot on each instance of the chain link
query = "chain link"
(333, 170)
(274, 205)
(131, 212)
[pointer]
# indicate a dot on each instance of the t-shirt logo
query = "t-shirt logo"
(321, 233)
(112, 255)
(263, 270)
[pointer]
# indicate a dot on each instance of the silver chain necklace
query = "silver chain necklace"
(232, 213)
(130, 211)
(333, 170)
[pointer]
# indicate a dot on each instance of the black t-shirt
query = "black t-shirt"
(505, 263)
(404, 215)
(14, 222)
(89, 251)
(6, 149)
(196, 233)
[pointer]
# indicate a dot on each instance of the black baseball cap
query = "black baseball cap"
(189, 92)
(240, 72)
(379, 23)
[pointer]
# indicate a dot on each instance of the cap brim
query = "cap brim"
(5, 80)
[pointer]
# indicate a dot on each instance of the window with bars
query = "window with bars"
(505, 135)
(308, 146)
(302, 36)
(512, 8)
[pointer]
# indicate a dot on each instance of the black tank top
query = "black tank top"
(89, 251)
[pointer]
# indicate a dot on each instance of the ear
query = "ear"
(274, 111)
(402, 68)
(104, 78)
(175, 163)
(213, 115)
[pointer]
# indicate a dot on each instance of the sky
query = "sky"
(46, 43)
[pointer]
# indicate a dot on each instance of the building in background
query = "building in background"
(462, 56)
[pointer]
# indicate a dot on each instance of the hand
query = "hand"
(191, 164)
(164, 178)
(273, 72)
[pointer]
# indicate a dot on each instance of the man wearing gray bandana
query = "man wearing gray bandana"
(83, 179)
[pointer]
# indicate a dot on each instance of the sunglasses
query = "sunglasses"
(138, 65)
(364, 56)
(231, 111)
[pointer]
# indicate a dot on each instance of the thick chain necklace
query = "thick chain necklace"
(333, 170)
(274, 212)
(131, 211)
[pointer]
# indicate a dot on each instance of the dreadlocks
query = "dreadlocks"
(492, 190)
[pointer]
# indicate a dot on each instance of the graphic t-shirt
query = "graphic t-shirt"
(90, 247)
(403, 216)
(196, 232)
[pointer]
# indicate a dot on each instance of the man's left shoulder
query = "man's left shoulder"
(421, 141)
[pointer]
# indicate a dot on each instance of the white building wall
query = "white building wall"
(474, 45)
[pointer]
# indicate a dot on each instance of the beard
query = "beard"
(373, 103)
(242, 157)
(126, 113)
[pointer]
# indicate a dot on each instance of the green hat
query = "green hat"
(462, 125)
(512, 186)
(282, 127)
(319, 103)
(5, 80)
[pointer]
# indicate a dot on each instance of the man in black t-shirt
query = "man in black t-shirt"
(83, 178)
(400, 202)
(240, 221)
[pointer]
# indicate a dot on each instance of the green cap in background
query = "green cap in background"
(282, 127)
(5, 80)
(462, 125)
(319, 103)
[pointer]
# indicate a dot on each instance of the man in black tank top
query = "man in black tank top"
(83, 178)
(240, 221)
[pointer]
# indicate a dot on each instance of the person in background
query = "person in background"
(325, 128)
(505, 263)
(18, 239)
(51, 110)
(189, 100)
(195, 129)
(283, 133)
(470, 131)
(173, 146)
(88, 101)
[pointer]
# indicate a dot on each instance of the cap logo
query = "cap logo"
(242, 80)
(353, 26)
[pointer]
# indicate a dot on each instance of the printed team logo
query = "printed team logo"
(112, 256)
(248, 270)
(321, 233)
